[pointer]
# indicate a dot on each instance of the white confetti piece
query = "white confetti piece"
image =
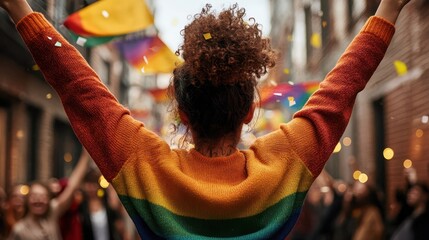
(142, 69)
(49, 38)
(291, 103)
(145, 59)
(58, 44)
(278, 94)
(105, 13)
(425, 119)
(81, 41)
(291, 83)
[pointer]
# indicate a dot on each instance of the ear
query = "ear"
(249, 115)
(183, 117)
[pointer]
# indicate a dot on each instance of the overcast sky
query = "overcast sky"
(172, 15)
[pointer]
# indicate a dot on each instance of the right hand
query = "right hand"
(17, 9)
(390, 9)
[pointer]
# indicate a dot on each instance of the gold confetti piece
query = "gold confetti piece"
(290, 38)
(58, 44)
(145, 59)
(105, 13)
(316, 41)
(401, 67)
(286, 71)
(273, 83)
(207, 36)
(291, 101)
(81, 41)
(35, 67)
(49, 96)
(278, 94)
(324, 24)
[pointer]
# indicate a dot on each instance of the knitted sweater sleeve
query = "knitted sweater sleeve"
(103, 126)
(316, 129)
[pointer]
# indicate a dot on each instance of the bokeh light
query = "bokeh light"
(388, 153)
(363, 178)
(356, 174)
(408, 163)
(347, 141)
(337, 148)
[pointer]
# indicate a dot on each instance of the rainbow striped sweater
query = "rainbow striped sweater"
(177, 194)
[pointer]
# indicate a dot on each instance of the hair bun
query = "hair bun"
(225, 49)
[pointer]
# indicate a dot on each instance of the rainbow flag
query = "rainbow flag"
(290, 96)
(148, 54)
(104, 20)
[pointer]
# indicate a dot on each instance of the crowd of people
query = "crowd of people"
(75, 208)
(335, 210)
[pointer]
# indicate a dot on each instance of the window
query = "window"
(66, 149)
(33, 123)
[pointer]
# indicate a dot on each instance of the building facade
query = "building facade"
(36, 140)
(392, 112)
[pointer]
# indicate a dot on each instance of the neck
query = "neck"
(216, 151)
(223, 147)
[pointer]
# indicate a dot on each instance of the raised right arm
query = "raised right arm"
(317, 128)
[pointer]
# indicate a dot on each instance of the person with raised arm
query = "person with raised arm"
(213, 190)
(43, 212)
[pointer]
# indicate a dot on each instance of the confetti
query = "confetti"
(105, 13)
(291, 101)
(81, 41)
(58, 44)
(286, 71)
(142, 69)
(324, 24)
(207, 36)
(145, 59)
(49, 96)
(425, 119)
(401, 67)
(273, 83)
(291, 83)
(35, 67)
(316, 41)
(290, 38)
(49, 38)
(278, 94)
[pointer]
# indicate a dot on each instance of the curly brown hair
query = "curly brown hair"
(215, 86)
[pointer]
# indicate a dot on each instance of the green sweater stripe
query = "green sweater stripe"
(167, 224)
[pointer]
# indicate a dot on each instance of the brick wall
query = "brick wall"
(405, 101)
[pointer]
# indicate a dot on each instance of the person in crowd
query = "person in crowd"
(415, 226)
(361, 216)
(43, 211)
(400, 210)
(15, 206)
(213, 190)
(100, 217)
